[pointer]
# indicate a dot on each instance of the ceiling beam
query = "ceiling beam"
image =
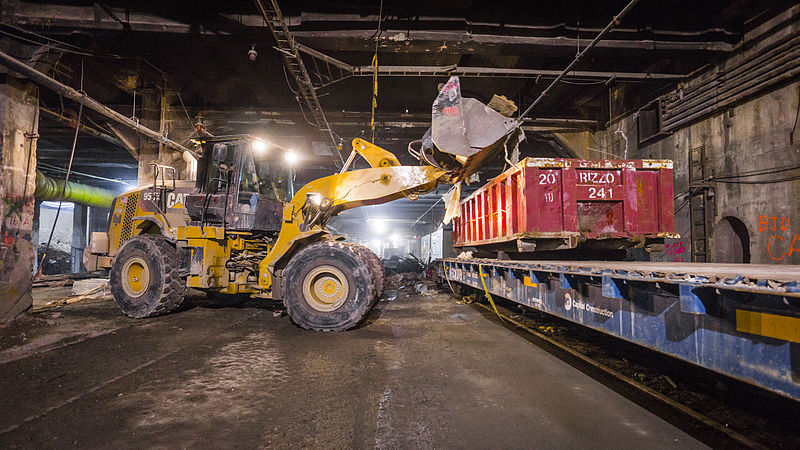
(484, 72)
(499, 72)
(69, 18)
(447, 37)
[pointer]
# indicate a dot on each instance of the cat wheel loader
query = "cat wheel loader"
(234, 233)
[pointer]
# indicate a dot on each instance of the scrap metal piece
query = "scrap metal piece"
(464, 133)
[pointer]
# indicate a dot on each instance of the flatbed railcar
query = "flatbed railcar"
(739, 320)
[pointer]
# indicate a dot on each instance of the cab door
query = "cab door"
(244, 199)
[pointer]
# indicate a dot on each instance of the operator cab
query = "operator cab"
(238, 187)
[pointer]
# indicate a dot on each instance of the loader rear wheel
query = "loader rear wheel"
(144, 277)
(327, 286)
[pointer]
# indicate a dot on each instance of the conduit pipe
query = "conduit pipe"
(50, 189)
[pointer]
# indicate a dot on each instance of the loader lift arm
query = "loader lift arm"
(305, 216)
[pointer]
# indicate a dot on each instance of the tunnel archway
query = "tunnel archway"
(731, 241)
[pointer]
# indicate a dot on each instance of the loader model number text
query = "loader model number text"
(596, 177)
(600, 192)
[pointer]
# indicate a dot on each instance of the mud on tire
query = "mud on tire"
(144, 277)
(327, 286)
(375, 266)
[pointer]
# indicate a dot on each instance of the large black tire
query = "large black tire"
(144, 277)
(375, 266)
(327, 286)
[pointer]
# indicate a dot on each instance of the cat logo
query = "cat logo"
(176, 200)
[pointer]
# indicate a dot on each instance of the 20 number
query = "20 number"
(547, 178)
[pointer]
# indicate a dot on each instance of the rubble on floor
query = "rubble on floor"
(86, 289)
(404, 285)
(58, 261)
(397, 264)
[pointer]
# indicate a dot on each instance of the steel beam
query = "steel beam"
(499, 72)
(85, 128)
(39, 78)
(70, 18)
(486, 72)
(463, 37)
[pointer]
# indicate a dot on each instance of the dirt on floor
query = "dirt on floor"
(422, 371)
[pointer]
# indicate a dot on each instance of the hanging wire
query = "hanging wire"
(375, 73)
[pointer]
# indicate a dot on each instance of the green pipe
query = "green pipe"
(51, 189)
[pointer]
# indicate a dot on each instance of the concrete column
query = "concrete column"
(19, 117)
(148, 149)
(79, 228)
(156, 115)
(98, 219)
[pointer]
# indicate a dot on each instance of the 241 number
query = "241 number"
(600, 193)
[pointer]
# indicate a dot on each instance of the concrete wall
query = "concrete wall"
(62, 234)
(756, 134)
(19, 119)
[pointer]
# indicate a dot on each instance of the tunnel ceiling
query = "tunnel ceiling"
(200, 51)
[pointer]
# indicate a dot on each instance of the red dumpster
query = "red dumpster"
(554, 204)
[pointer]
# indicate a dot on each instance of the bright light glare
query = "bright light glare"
(314, 198)
(396, 237)
(378, 226)
(291, 156)
(259, 146)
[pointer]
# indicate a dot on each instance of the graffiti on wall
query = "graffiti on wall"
(781, 244)
(677, 250)
(16, 223)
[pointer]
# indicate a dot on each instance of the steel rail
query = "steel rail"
(680, 407)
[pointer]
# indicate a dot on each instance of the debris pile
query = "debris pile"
(397, 264)
(58, 261)
(406, 284)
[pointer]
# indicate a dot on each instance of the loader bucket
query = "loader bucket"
(464, 132)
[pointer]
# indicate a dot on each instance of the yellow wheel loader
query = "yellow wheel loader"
(234, 232)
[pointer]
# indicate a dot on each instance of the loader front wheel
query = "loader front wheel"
(144, 277)
(327, 286)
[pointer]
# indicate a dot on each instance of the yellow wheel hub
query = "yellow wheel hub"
(325, 288)
(135, 277)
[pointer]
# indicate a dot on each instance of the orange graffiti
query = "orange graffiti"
(764, 222)
(792, 248)
(8, 240)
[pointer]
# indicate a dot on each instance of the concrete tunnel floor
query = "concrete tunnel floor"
(422, 371)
